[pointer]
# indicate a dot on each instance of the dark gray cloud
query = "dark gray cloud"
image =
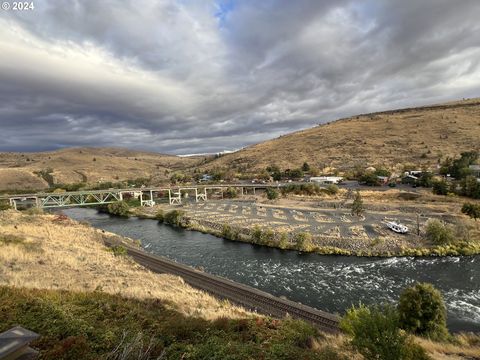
(190, 77)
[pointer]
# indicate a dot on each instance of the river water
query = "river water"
(329, 283)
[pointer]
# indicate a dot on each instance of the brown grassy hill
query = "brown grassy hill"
(92, 165)
(416, 135)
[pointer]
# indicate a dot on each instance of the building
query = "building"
(383, 180)
(326, 179)
(475, 169)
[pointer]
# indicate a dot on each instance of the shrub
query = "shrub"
(119, 250)
(283, 242)
(332, 189)
(256, 234)
(376, 334)
(4, 205)
(472, 210)
(409, 196)
(230, 193)
(11, 239)
(423, 312)
(34, 211)
(119, 208)
(439, 233)
(304, 242)
(267, 237)
(160, 216)
(440, 187)
(227, 232)
(175, 218)
(272, 194)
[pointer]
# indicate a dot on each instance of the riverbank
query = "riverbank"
(302, 226)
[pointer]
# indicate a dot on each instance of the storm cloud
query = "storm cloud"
(185, 76)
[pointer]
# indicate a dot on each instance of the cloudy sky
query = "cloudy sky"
(195, 76)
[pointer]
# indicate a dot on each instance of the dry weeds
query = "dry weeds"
(72, 256)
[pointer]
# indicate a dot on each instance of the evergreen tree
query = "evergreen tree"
(357, 206)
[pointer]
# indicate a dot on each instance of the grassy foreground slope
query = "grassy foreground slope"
(59, 280)
(88, 165)
(51, 252)
(96, 325)
(418, 135)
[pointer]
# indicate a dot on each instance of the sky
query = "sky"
(200, 76)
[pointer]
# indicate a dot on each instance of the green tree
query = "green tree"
(470, 187)
(439, 233)
(382, 172)
(440, 187)
(274, 170)
(370, 179)
(376, 334)
(458, 168)
(119, 208)
(422, 311)
(357, 206)
(426, 180)
(175, 218)
(277, 176)
(472, 210)
(305, 167)
(295, 174)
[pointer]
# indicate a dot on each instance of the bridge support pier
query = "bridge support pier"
(176, 199)
(201, 196)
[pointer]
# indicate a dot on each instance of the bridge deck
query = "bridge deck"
(98, 197)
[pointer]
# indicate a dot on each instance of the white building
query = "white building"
(475, 169)
(326, 179)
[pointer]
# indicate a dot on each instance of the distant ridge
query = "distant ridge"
(85, 164)
(420, 136)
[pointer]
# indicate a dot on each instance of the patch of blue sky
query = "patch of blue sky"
(224, 7)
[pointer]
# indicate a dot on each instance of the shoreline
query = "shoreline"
(270, 238)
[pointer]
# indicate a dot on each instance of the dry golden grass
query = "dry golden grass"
(390, 138)
(71, 256)
(77, 164)
(20, 179)
(445, 351)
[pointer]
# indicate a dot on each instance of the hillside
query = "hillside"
(91, 165)
(420, 136)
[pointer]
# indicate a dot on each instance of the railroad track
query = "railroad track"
(243, 295)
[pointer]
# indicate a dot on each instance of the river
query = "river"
(329, 283)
